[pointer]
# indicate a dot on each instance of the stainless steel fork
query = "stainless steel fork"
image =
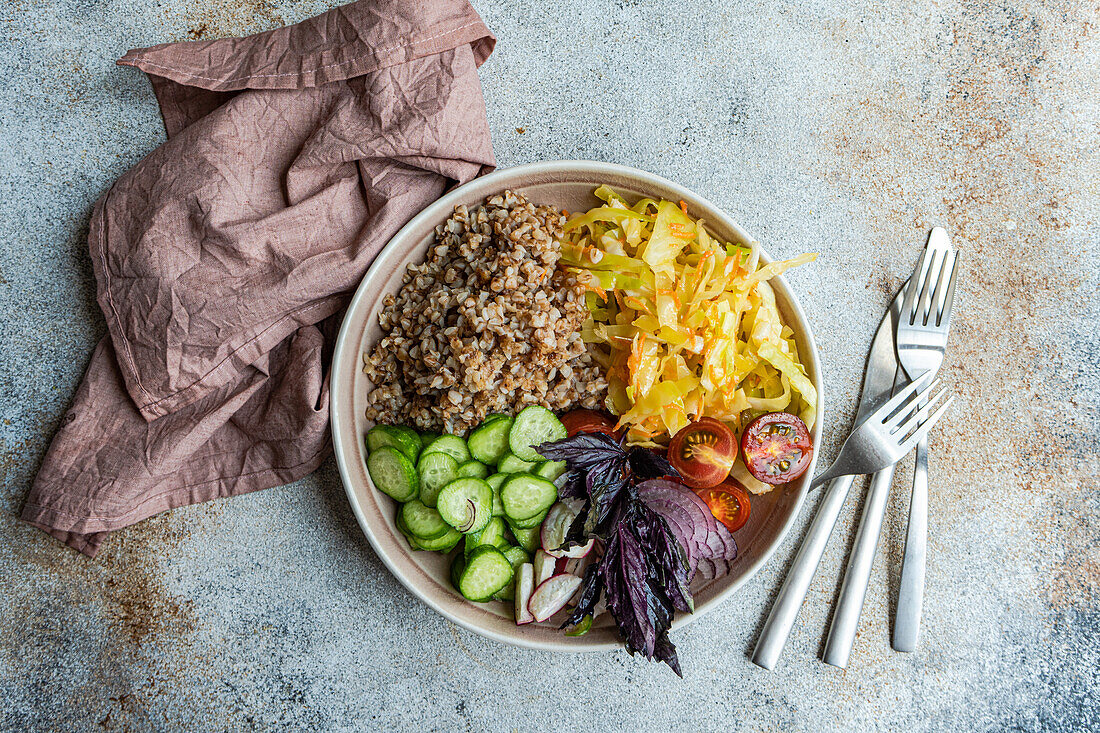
(889, 432)
(921, 341)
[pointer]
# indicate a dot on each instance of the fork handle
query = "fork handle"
(842, 631)
(911, 592)
(793, 591)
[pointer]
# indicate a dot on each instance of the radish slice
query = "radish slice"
(551, 596)
(579, 565)
(544, 567)
(556, 526)
(574, 552)
(525, 585)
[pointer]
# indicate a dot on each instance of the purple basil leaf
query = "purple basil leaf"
(577, 534)
(668, 556)
(666, 652)
(629, 596)
(583, 451)
(574, 487)
(647, 464)
(590, 595)
(604, 485)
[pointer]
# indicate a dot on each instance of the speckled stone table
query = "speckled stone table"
(847, 129)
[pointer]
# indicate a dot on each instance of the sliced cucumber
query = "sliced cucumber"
(550, 470)
(393, 473)
(452, 445)
(394, 436)
(528, 538)
(495, 481)
(487, 572)
(473, 469)
(445, 543)
(436, 470)
(489, 442)
(509, 463)
(525, 496)
(532, 427)
(400, 522)
(426, 438)
(423, 521)
(492, 535)
(516, 555)
(457, 566)
(532, 522)
(466, 504)
(492, 416)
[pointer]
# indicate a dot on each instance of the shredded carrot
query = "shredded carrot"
(683, 207)
(698, 275)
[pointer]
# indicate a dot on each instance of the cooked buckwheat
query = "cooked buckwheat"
(488, 323)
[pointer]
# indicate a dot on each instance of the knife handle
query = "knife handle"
(793, 591)
(842, 631)
(911, 592)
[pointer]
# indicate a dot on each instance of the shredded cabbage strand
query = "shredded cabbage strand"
(685, 325)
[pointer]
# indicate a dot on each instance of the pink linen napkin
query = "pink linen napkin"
(225, 258)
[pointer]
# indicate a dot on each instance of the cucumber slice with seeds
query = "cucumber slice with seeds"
(492, 535)
(495, 481)
(466, 504)
(516, 555)
(393, 473)
(400, 437)
(426, 438)
(532, 522)
(509, 463)
(457, 566)
(445, 543)
(532, 427)
(550, 470)
(423, 521)
(528, 538)
(473, 469)
(489, 442)
(452, 445)
(487, 572)
(436, 470)
(525, 496)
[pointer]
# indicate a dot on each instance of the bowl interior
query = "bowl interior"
(567, 185)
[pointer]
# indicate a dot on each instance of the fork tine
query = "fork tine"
(924, 305)
(904, 395)
(942, 279)
(926, 426)
(944, 319)
(919, 415)
(908, 306)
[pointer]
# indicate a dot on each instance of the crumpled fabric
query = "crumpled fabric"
(224, 259)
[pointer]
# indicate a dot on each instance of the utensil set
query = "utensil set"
(900, 403)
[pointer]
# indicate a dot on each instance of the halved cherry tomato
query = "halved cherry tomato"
(729, 504)
(703, 452)
(777, 448)
(587, 421)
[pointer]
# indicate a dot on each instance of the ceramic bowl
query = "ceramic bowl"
(569, 185)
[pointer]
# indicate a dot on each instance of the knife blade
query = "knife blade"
(878, 381)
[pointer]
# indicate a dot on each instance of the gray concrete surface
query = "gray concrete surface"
(849, 129)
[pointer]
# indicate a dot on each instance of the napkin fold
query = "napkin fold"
(224, 259)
